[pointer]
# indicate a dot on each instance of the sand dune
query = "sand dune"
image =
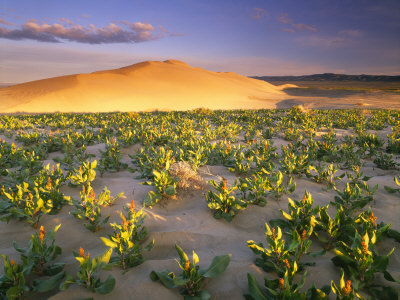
(168, 85)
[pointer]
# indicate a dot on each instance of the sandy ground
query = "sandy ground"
(189, 222)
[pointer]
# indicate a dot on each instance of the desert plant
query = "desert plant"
(41, 252)
(361, 264)
(89, 208)
(301, 214)
(393, 190)
(385, 162)
(191, 280)
(87, 275)
(85, 174)
(23, 205)
(293, 163)
(255, 189)
(324, 174)
(111, 158)
(278, 187)
(329, 231)
(242, 164)
(223, 203)
(351, 199)
(13, 282)
(345, 291)
(105, 198)
(127, 237)
(165, 186)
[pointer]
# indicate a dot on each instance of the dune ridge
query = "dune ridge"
(168, 85)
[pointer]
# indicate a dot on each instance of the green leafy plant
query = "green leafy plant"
(13, 282)
(351, 199)
(105, 198)
(89, 208)
(394, 190)
(24, 204)
(165, 186)
(301, 214)
(127, 237)
(292, 162)
(280, 256)
(111, 158)
(329, 230)
(385, 162)
(324, 174)
(191, 280)
(242, 164)
(277, 289)
(41, 252)
(255, 189)
(87, 275)
(361, 262)
(345, 291)
(223, 203)
(277, 186)
(85, 174)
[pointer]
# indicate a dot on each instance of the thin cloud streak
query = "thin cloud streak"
(284, 19)
(42, 32)
(4, 22)
(259, 13)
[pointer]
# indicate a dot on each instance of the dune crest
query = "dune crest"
(168, 85)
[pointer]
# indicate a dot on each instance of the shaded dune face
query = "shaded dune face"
(168, 85)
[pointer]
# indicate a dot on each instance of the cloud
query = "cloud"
(304, 26)
(4, 22)
(259, 13)
(128, 33)
(344, 38)
(325, 41)
(351, 33)
(287, 30)
(165, 31)
(66, 21)
(284, 19)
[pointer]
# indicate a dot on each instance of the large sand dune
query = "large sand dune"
(168, 85)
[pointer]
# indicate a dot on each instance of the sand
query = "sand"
(168, 85)
(189, 222)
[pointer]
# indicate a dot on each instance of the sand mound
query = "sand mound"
(168, 85)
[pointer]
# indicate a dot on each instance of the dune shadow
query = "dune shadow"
(328, 93)
(288, 103)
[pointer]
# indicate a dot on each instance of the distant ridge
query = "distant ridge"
(331, 77)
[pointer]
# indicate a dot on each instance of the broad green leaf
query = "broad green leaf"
(107, 286)
(254, 290)
(218, 266)
(45, 285)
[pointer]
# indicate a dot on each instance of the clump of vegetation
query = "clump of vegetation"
(223, 202)
(127, 237)
(88, 276)
(191, 280)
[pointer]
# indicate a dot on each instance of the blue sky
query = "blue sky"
(40, 39)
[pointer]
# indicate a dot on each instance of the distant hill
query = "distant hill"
(331, 77)
(150, 85)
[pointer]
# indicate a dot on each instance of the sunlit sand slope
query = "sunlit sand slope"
(168, 85)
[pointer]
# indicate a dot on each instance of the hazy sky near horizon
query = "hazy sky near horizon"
(46, 38)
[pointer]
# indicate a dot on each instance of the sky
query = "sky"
(47, 38)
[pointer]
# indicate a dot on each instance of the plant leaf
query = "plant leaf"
(218, 266)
